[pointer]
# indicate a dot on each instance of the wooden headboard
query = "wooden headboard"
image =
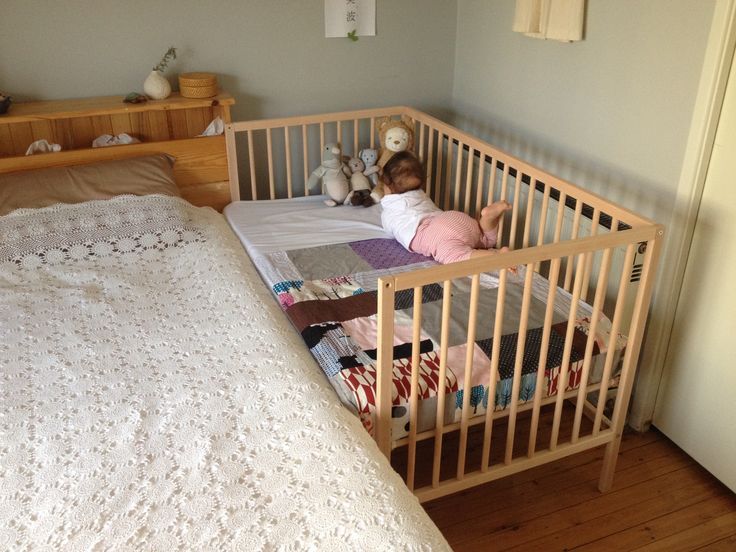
(169, 126)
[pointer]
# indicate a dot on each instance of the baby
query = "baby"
(420, 226)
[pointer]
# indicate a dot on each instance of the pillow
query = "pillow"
(152, 174)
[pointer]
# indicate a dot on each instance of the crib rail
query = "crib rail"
(273, 158)
(300, 143)
(595, 250)
(603, 431)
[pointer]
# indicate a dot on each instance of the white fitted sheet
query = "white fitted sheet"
(267, 226)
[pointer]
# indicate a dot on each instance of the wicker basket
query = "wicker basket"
(198, 85)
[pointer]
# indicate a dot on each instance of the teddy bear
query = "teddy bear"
(394, 136)
(360, 185)
(333, 174)
(369, 156)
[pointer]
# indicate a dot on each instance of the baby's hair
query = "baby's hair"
(403, 173)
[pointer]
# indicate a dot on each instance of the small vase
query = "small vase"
(156, 86)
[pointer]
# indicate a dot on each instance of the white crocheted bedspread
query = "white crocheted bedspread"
(155, 398)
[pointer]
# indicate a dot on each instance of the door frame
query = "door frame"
(699, 147)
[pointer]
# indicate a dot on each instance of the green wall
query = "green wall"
(271, 54)
(611, 112)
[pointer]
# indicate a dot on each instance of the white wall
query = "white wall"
(271, 54)
(611, 113)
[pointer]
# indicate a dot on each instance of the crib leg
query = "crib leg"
(609, 465)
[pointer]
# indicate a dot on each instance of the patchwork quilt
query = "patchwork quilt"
(329, 293)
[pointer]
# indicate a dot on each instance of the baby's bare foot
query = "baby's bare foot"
(495, 209)
(491, 214)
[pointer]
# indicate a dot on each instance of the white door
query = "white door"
(696, 404)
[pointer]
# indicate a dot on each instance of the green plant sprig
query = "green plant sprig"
(168, 56)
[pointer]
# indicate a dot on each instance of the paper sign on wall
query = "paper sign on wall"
(345, 16)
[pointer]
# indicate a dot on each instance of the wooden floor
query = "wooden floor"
(661, 500)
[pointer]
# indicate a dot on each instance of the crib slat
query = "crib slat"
(543, 215)
(573, 235)
(600, 295)
(492, 185)
(518, 363)
(232, 163)
(567, 350)
(430, 156)
(413, 395)
(542, 222)
(560, 217)
(252, 163)
(305, 153)
(287, 146)
(421, 143)
(321, 139)
(515, 209)
(623, 288)
(504, 185)
(373, 132)
(493, 372)
(470, 350)
(384, 365)
(469, 179)
(554, 276)
(438, 172)
(458, 175)
(442, 381)
(269, 148)
(479, 185)
(356, 136)
(448, 174)
(529, 206)
(339, 133)
(589, 266)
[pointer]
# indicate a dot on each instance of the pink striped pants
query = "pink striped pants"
(450, 236)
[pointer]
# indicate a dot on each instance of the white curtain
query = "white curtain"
(550, 19)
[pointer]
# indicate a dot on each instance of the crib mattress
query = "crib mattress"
(322, 264)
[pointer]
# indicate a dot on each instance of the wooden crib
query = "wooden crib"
(579, 241)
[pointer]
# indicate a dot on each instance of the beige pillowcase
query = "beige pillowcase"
(151, 174)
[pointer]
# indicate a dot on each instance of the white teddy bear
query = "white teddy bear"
(369, 157)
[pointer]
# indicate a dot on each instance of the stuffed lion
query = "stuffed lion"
(394, 135)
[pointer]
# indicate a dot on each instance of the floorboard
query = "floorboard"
(661, 500)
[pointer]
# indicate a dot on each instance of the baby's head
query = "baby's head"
(403, 173)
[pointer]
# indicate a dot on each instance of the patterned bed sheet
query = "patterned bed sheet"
(329, 294)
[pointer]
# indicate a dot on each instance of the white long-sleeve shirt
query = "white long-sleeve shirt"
(402, 214)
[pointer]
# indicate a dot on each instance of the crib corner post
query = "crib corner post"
(384, 363)
(610, 456)
(232, 162)
(628, 369)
